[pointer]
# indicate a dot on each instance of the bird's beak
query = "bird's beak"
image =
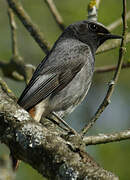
(112, 36)
(109, 36)
(106, 36)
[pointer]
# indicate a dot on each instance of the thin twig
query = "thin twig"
(92, 10)
(16, 67)
(13, 32)
(112, 84)
(29, 25)
(117, 23)
(98, 3)
(6, 89)
(55, 13)
(107, 138)
(112, 45)
(110, 68)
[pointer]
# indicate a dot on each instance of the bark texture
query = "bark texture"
(54, 154)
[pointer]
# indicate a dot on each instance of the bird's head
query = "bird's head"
(91, 33)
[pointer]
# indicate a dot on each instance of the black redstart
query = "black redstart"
(63, 78)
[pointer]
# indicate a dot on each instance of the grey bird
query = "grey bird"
(62, 80)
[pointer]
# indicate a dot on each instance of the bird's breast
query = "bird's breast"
(73, 94)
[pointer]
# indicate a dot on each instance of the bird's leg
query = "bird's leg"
(64, 123)
(57, 123)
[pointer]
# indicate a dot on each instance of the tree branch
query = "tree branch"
(45, 150)
(15, 68)
(29, 25)
(110, 68)
(55, 13)
(117, 23)
(107, 138)
(112, 84)
(13, 32)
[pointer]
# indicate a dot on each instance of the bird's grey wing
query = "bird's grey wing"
(51, 80)
(37, 90)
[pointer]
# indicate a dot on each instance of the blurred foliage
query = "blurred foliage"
(114, 156)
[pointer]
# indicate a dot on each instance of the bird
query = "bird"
(62, 79)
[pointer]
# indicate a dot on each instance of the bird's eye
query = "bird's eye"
(93, 27)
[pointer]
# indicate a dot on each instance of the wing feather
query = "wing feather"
(36, 92)
(50, 77)
(46, 84)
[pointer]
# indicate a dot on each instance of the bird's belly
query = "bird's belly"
(73, 94)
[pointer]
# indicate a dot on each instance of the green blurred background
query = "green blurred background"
(113, 156)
